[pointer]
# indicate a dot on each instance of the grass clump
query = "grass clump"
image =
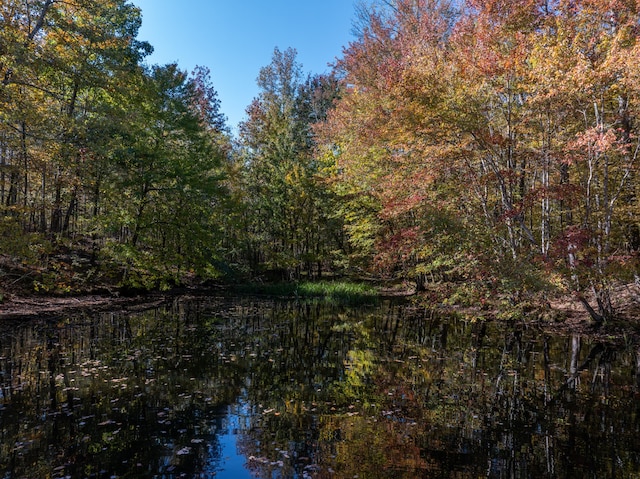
(337, 291)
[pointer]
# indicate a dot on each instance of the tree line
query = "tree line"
(494, 143)
(101, 153)
(490, 145)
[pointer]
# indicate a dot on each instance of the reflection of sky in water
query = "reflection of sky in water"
(307, 392)
(223, 457)
(231, 464)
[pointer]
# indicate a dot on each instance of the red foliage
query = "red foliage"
(397, 248)
(574, 241)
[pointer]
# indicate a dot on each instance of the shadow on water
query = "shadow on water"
(233, 388)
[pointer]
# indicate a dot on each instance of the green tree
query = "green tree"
(61, 62)
(97, 150)
(166, 183)
(286, 207)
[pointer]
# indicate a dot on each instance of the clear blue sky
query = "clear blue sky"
(235, 38)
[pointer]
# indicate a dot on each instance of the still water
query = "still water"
(245, 388)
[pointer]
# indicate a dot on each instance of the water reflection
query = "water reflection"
(233, 388)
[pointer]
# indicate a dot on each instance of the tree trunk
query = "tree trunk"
(12, 194)
(40, 23)
(43, 199)
(73, 205)
(56, 213)
(595, 316)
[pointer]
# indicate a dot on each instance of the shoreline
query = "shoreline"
(572, 319)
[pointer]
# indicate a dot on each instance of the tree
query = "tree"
(389, 139)
(169, 174)
(497, 134)
(60, 60)
(97, 150)
(285, 204)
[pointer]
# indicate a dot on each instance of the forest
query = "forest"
(484, 151)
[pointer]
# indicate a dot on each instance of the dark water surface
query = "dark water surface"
(240, 388)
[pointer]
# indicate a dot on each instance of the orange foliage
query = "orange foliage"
(515, 117)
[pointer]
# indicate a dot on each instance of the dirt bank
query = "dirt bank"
(51, 307)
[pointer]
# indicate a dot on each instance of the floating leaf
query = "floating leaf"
(184, 451)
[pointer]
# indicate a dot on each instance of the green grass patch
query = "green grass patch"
(337, 291)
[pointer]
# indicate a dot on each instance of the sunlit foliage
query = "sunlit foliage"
(492, 141)
(118, 161)
(288, 226)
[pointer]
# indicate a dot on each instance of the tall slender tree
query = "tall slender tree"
(284, 205)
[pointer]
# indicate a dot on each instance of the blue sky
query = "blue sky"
(235, 38)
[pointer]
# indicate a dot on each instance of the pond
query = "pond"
(244, 387)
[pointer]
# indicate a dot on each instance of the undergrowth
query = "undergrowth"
(338, 291)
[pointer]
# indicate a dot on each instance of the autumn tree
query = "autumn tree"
(99, 151)
(603, 155)
(286, 207)
(492, 140)
(61, 62)
(390, 142)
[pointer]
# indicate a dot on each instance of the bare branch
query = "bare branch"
(45, 9)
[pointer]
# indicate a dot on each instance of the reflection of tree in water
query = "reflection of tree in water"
(300, 350)
(481, 400)
(314, 391)
(108, 395)
(436, 396)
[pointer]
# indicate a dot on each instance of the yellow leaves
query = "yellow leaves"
(494, 120)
